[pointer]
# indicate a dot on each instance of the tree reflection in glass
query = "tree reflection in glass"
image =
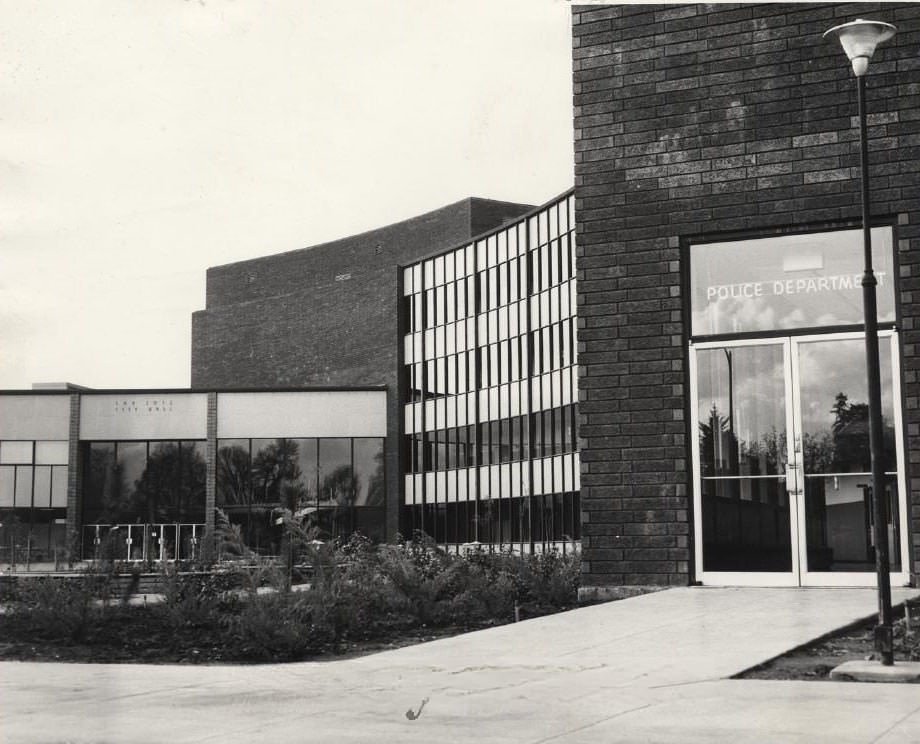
(144, 482)
(741, 397)
(742, 442)
(171, 488)
(836, 455)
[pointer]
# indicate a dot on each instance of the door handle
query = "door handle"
(793, 481)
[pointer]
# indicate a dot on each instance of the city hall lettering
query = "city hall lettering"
(156, 405)
(751, 290)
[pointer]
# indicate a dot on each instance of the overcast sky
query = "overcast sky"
(142, 142)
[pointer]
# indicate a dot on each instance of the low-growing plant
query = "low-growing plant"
(196, 600)
(428, 579)
(56, 608)
(484, 592)
(245, 607)
(277, 626)
(552, 579)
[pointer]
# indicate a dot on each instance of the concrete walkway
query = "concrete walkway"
(652, 669)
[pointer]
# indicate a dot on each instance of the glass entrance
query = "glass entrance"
(782, 461)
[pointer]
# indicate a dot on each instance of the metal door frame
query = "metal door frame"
(798, 575)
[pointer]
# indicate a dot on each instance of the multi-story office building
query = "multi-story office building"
(327, 315)
(489, 386)
(268, 426)
(719, 394)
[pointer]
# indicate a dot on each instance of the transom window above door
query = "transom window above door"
(811, 280)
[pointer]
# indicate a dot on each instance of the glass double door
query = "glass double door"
(781, 459)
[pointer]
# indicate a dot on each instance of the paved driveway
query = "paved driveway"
(650, 669)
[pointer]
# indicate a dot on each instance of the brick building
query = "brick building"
(327, 315)
(710, 424)
(722, 377)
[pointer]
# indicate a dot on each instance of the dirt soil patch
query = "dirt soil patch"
(121, 648)
(816, 660)
(130, 635)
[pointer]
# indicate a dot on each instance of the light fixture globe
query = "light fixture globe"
(859, 39)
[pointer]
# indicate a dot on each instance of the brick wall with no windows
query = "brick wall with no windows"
(708, 119)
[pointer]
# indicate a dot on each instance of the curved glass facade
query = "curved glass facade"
(489, 387)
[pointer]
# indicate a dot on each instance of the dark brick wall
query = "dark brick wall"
(210, 495)
(708, 119)
(326, 315)
(74, 477)
(322, 315)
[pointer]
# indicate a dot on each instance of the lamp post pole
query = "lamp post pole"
(859, 39)
(883, 634)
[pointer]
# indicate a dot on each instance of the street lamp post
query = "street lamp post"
(859, 40)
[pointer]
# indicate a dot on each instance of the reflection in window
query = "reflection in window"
(143, 482)
(838, 520)
(277, 475)
(790, 281)
(369, 479)
(104, 488)
(746, 524)
(171, 488)
(336, 476)
(233, 474)
(132, 460)
(837, 459)
(742, 411)
(834, 392)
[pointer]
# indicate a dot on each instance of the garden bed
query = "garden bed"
(361, 599)
(816, 660)
(132, 636)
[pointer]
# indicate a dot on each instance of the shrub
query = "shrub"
(428, 579)
(277, 626)
(195, 600)
(369, 603)
(55, 609)
(357, 590)
(551, 579)
(484, 592)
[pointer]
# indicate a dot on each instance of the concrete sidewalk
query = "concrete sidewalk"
(651, 669)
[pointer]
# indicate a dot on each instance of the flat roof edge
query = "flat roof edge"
(200, 390)
(495, 230)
